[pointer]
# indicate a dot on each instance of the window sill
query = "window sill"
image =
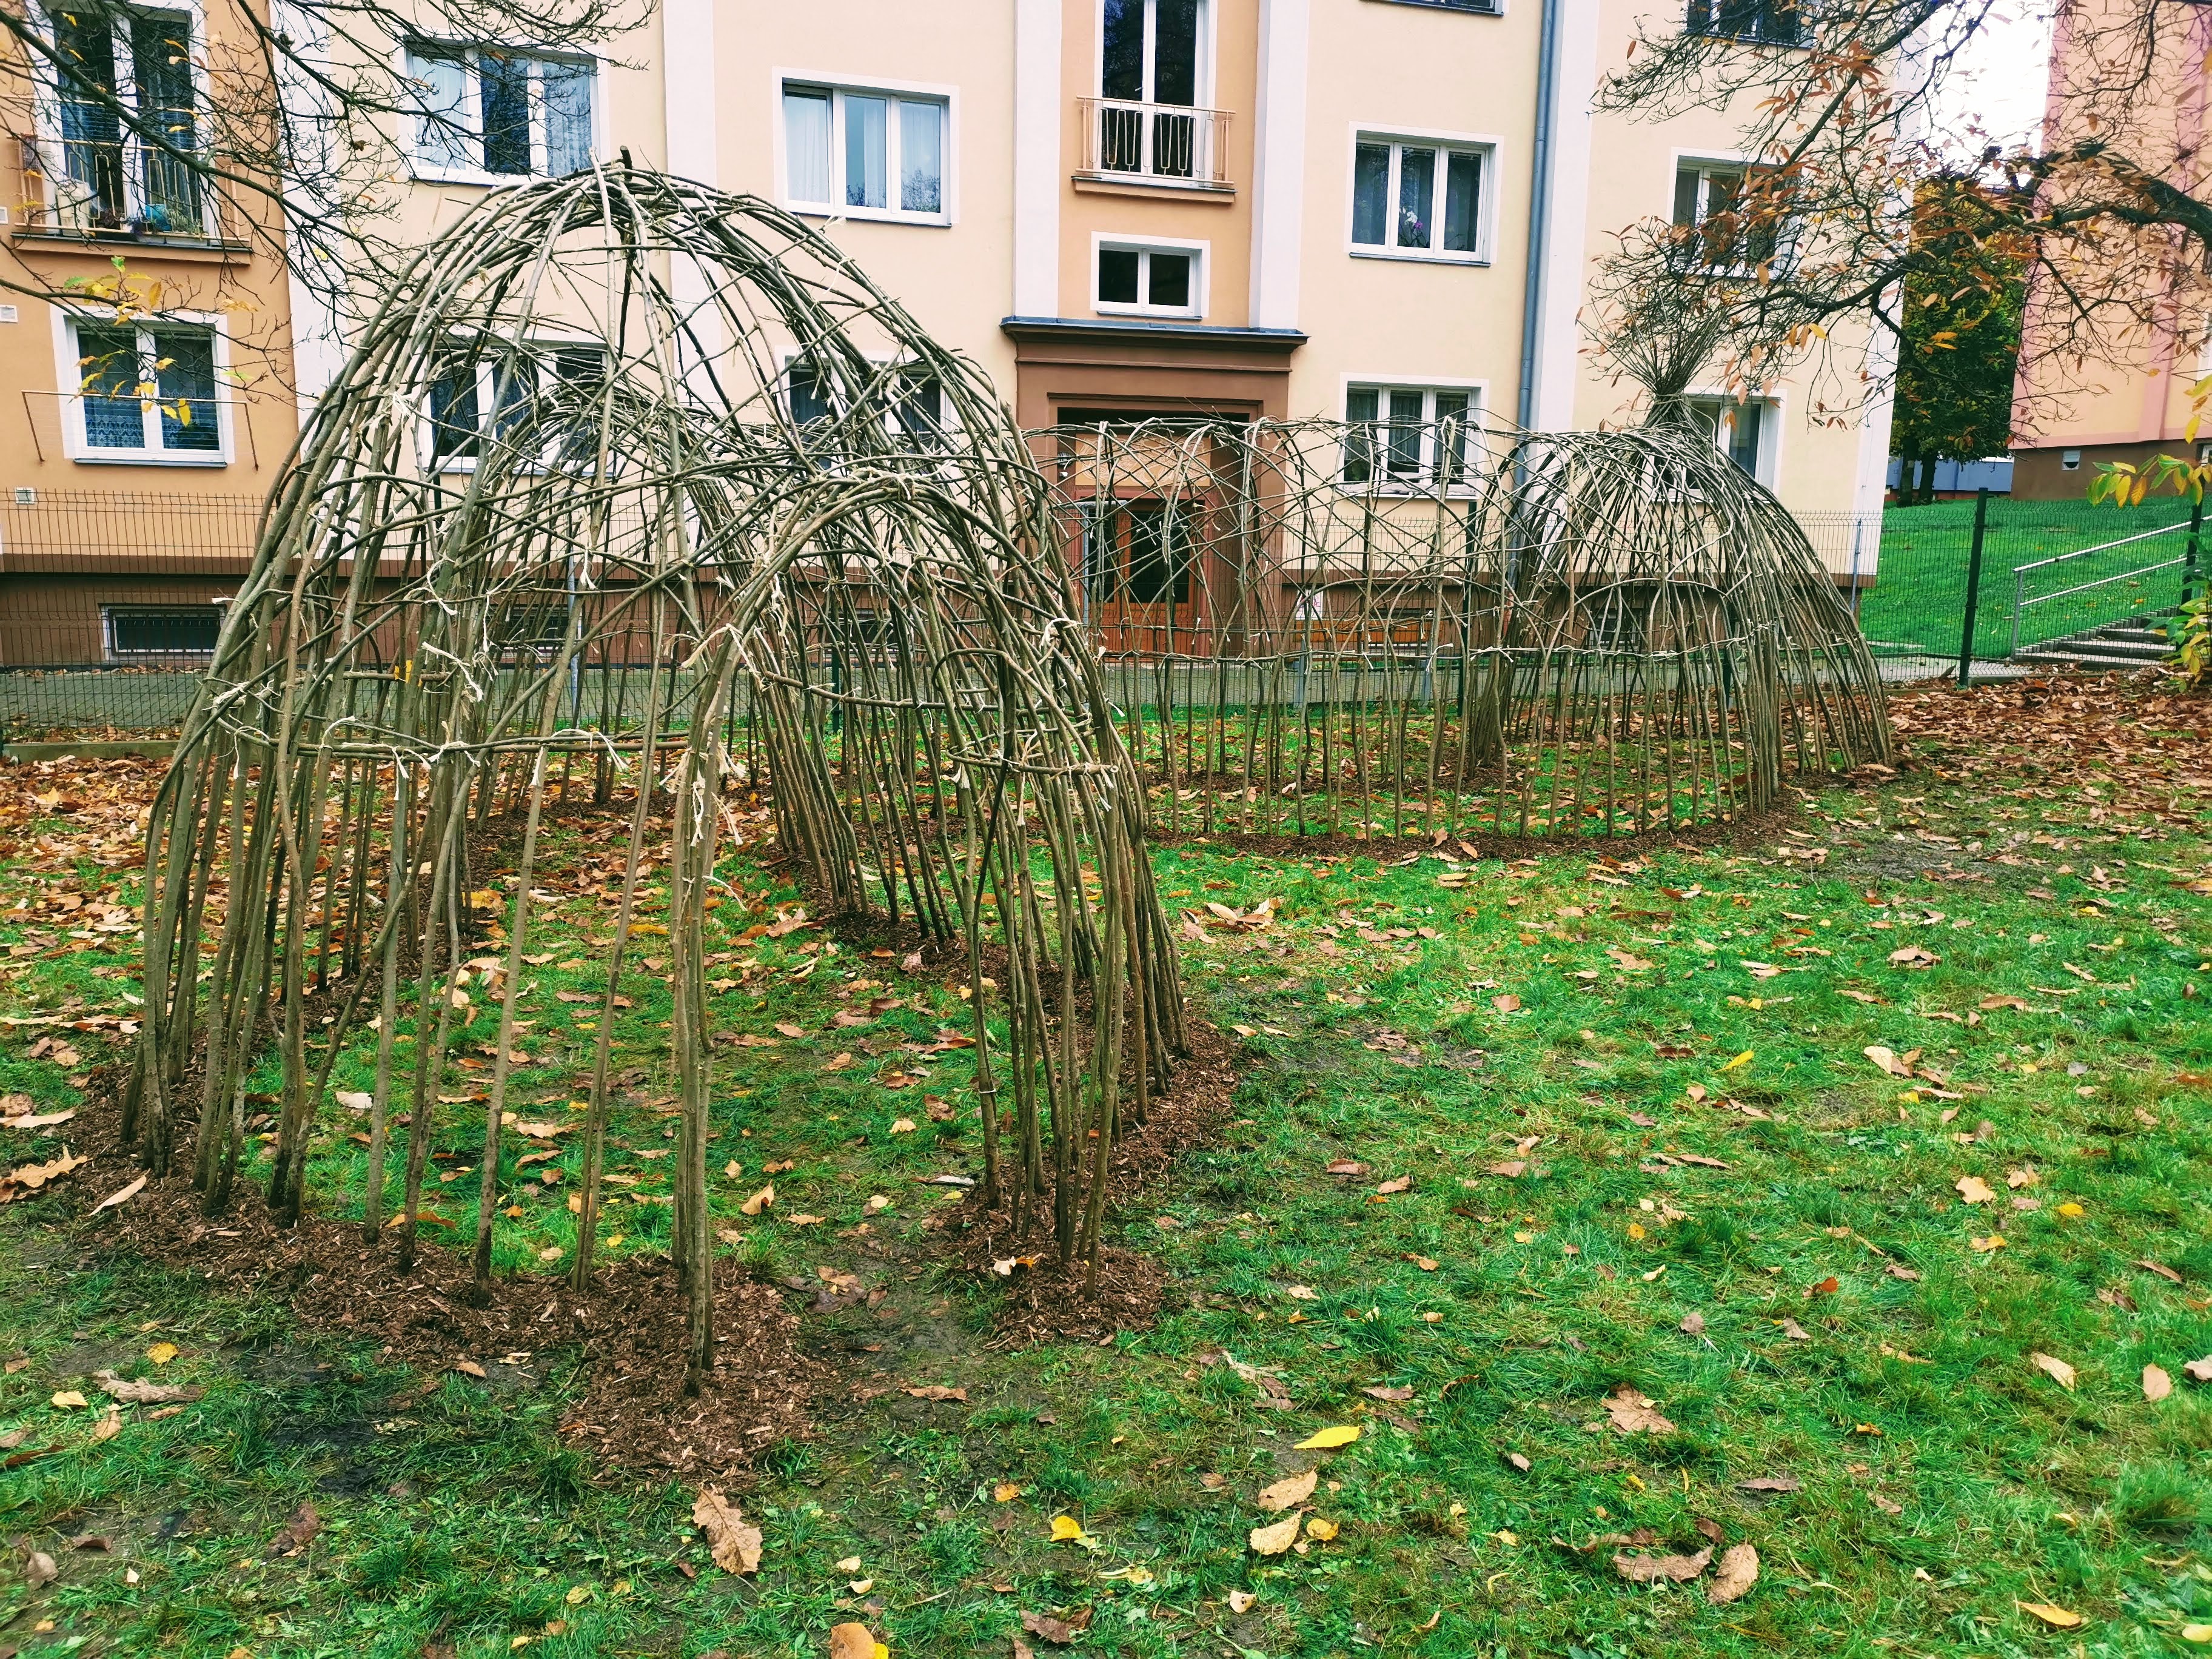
(1415, 257)
(105, 243)
(1152, 313)
(1409, 491)
(1166, 190)
(1496, 8)
(868, 215)
(149, 458)
(425, 174)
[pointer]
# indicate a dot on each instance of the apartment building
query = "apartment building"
(1379, 211)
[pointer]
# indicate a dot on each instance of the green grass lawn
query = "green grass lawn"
(1670, 1168)
(1920, 599)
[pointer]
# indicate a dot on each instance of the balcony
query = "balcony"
(1154, 146)
(97, 189)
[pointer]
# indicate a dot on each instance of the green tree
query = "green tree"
(1959, 342)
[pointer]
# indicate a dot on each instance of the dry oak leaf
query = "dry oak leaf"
(1395, 1184)
(68, 1400)
(1770, 1483)
(1506, 1004)
(2200, 1370)
(299, 1532)
(2157, 1383)
(1974, 1190)
(1886, 1059)
(1693, 1324)
(2056, 1370)
(1398, 1395)
(1647, 1569)
(1739, 1571)
(143, 1394)
(1632, 1413)
(2057, 1617)
(937, 1391)
(1057, 1630)
(109, 1426)
(1288, 1494)
(855, 1642)
(38, 1568)
(734, 1542)
(1914, 956)
(1242, 1601)
(759, 1201)
(1275, 1539)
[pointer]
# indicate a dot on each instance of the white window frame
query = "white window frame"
(1486, 147)
(420, 128)
(1202, 254)
(109, 652)
(46, 110)
(839, 87)
(1423, 482)
(1768, 470)
(1725, 160)
(948, 417)
(76, 444)
(1202, 76)
(487, 405)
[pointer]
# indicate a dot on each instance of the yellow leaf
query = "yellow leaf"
(2070, 1209)
(2196, 1632)
(1274, 1538)
(1317, 1527)
(2056, 1370)
(1741, 1059)
(1329, 1439)
(1005, 1493)
(1065, 1529)
(2057, 1618)
(1974, 1189)
(161, 1352)
(68, 1398)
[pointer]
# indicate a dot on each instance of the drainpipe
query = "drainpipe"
(1540, 206)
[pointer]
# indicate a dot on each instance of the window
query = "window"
(1734, 217)
(525, 400)
(114, 179)
(1149, 51)
(147, 390)
(178, 630)
(911, 400)
(1409, 437)
(2070, 460)
(1775, 22)
(865, 154)
(487, 111)
(1739, 427)
(1417, 200)
(1163, 281)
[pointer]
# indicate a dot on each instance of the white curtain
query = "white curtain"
(921, 157)
(807, 144)
(442, 127)
(865, 138)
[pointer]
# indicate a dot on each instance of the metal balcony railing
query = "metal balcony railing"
(86, 186)
(1159, 142)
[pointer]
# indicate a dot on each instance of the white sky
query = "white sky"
(2000, 82)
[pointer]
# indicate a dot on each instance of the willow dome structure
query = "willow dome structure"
(625, 474)
(1394, 627)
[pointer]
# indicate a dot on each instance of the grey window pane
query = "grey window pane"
(1451, 435)
(810, 394)
(865, 161)
(1359, 406)
(1175, 52)
(503, 97)
(568, 117)
(439, 92)
(1686, 196)
(1417, 183)
(1743, 438)
(1405, 439)
(806, 145)
(1171, 279)
(1370, 194)
(1463, 198)
(108, 369)
(921, 157)
(1122, 61)
(453, 414)
(1117, 276)
(184, 371)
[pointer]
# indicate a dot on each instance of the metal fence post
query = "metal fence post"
(2189, 555)
(1973, 586)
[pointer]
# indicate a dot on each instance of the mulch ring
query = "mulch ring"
(1046, 1300)
(629, 1327)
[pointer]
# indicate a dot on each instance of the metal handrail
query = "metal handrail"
(2021, 605)
(2101, 547)
(1166, 142)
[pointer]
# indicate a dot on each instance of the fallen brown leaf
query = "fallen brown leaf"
(1287, 1493)
(298, 1533)
(938, 1391)
(1632, 1413)
(1276, 1539)
(1739, 1571)
(852, 1642)
(1647, 1569)
(2056, 1370)
(2157, 1383)
(734, 1542)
